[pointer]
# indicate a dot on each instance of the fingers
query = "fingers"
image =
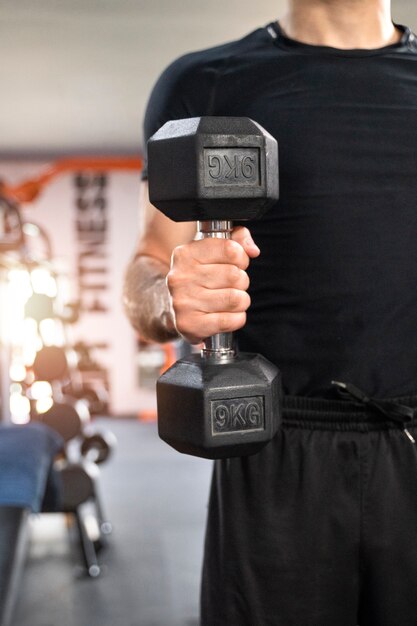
(242, 235)
(213, 301)
(197, 327)
(221, 276)
(236, 251)
(208, 284)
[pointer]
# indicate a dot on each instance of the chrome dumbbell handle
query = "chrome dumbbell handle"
(219, 347)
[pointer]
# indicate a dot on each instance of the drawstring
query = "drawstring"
(396, 412)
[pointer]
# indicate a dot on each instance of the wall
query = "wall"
(56, 211)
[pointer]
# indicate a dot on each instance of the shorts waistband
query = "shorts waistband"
(340, 414)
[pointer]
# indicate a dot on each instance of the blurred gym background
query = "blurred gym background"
(125, 547)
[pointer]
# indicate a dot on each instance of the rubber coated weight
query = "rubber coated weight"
(217, 410)
(98, 447)
(78, 484)
(64, 418)
(213, 168)
(50, 364)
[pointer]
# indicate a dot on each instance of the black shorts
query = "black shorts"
(320, 527)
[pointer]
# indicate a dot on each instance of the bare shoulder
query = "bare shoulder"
(158, 234)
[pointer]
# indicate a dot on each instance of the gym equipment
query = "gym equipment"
(29, 190)
(26, 478)
(91, 381)
(66, 418)
(77, 484)
(51, 364)
(79, 473)
(80, 486)
(23, 477)
(11, 228)
(99, 446)
(213, 170)
(71, 313)
(14, 538)
(38, 246)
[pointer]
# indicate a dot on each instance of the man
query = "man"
(319, 528)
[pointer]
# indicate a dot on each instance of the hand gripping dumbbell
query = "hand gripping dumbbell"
(214, 170)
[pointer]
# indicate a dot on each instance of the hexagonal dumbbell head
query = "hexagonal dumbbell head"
(212, 168)
(218, 411)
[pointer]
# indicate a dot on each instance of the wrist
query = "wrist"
(147, 301)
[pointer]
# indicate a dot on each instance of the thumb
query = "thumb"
(242, 235)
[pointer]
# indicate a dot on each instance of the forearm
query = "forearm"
(147, 301)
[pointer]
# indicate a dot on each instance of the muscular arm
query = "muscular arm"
(146, 298)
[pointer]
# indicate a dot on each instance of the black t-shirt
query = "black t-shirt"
(334, 291)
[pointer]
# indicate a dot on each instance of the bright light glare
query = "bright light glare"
(29, 351)
(15, 326)
(19, 284)
(43, 282)
(30, 341)
(17, 372)
(51, 333)
(31, 230)
(41, 389)
(43, 405)
(92, 526)
(20, 420)
(72, 358)
(18, 292)
(81, 406)
(19, 408)
(30, 330)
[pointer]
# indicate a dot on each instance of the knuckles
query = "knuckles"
(173, 280)
(234, 253)
(234, 274)
(208, 251)
(240, 233)
(196, 327)
(183, 325)
(227, 323)
(226, 304)
(239, 278)
(180, 254)
(236, 300)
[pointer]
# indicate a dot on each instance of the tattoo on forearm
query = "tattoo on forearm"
(147, 301)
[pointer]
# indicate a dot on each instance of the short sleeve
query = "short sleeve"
(184, 89)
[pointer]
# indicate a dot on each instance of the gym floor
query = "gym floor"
(156, 500)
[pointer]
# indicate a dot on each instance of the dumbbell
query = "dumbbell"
(98, 446)
(51, 364)
(214, 170)
(78, 483)
(67, 417)
(11, 226)
(78, 486)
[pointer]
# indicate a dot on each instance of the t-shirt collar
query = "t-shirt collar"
(280, 39)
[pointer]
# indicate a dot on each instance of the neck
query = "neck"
(344, 24)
